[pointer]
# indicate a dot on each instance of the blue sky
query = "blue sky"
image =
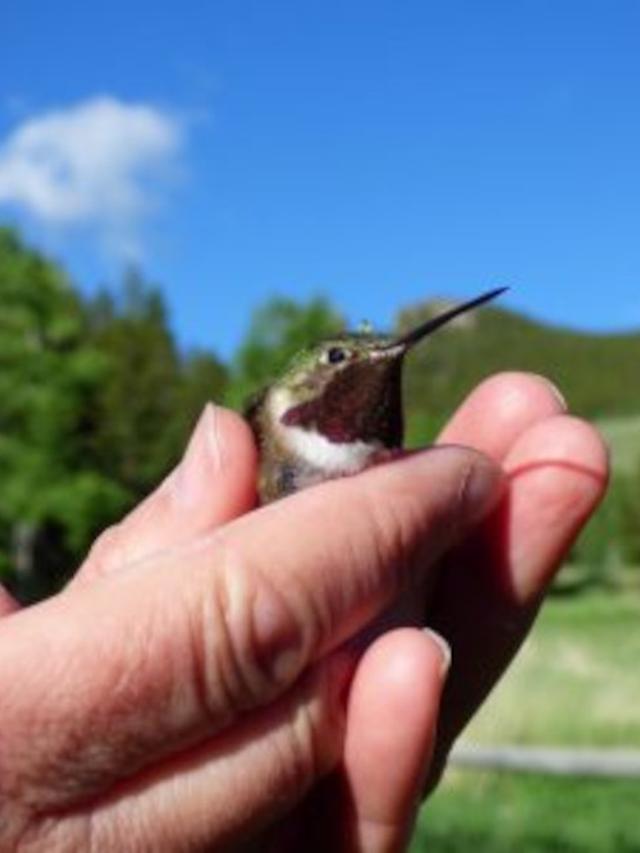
(378, 152)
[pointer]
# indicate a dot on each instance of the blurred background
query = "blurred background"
(190, 192)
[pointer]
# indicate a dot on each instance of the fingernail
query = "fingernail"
(443, 647)
(192, 477)
(557, 393)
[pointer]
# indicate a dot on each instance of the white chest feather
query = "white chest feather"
(317, 451)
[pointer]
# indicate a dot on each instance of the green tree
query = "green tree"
(96, 404)
(52, 496)
(150, 394)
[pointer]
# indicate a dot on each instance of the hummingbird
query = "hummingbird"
(337, 408)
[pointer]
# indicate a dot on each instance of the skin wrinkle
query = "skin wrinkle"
(231, 654)
(125, 689)
(35, 837)
(33, 781)
(12, 772)
(220, 656)
(276, 631)
(298, 756)
(241, 660)
(315, 734)
(315, 622)
(132, 734)
(214, 543)
(317, 728)
(205, 624)
(320, 690)
(301, 599)
(176, 652)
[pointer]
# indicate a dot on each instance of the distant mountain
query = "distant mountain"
(598, 374)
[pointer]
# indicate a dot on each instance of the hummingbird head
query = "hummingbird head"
(348, 388)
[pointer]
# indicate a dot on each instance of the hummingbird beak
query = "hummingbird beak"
(400, 345)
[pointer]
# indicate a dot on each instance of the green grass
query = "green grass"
(623, 436)
(576, 680)
(509, 813)
(576, 683)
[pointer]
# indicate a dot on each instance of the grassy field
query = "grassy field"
(623, 436)
(508, 813)
(577, 682)
(577, 679)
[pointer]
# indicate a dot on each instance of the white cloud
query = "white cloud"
(101, 163)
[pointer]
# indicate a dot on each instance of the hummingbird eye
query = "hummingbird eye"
(336, 354)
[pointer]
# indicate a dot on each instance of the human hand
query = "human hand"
(190, 686)
(372, 796)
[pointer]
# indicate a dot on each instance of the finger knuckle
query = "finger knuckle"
(299, 753)
(311, 745)
(249, 638)
(107, 550)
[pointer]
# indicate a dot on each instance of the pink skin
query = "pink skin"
(152, 703)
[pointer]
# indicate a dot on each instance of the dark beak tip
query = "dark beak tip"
(415, 335)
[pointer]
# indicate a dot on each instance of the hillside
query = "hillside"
(599, 374)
